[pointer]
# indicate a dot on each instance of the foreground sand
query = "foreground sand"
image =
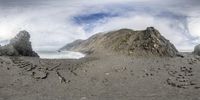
(105, 77)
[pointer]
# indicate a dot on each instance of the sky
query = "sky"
(54, 23)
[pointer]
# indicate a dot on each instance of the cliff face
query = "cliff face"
(20, 45)
(147, 42)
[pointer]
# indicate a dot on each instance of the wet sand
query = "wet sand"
(100, 77)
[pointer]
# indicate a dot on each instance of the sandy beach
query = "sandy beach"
(105, 77)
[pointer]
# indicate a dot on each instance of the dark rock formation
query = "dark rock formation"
(147, 42)
(197, 50)
(20, 45)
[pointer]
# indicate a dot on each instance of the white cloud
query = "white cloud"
(194, 26)
(51, 27)
(140, 22)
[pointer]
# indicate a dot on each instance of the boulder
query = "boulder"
(20, 45)
(8, 50)
(197, 50)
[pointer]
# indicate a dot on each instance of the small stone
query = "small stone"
(8, 68)
(197, 87)
(83, 98)
(107, 73)
(180, 55)
(40, 75)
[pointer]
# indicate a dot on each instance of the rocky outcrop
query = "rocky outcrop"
(20, 45)
(147, 42)
(8, 50)
(197, 50)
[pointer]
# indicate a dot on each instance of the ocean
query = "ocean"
(60, 55)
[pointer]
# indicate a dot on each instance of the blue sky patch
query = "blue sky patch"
(89, 21)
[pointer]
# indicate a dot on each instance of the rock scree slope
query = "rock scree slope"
(147, 42)
(20, 45)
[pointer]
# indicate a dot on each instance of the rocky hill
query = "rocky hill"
(20, 45)
(147, 42)
(72, 45)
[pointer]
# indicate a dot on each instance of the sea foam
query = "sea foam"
(60, 55)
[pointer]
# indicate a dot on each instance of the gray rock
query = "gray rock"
(197, 50)
(8, 50)
(40, 75)
(20, 45)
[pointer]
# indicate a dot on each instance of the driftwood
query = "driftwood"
(61, 78)
(51, 69)
(58, 65)
(74, 73)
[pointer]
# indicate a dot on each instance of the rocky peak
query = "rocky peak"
(151, 32)
(22, 35)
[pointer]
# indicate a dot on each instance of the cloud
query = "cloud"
(140, 22)
(52, 23)
(172, 24)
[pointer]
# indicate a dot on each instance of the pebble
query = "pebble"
(83, 98)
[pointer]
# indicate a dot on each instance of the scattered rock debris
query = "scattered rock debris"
(120, 69)
(181, 78)
(192, 61)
